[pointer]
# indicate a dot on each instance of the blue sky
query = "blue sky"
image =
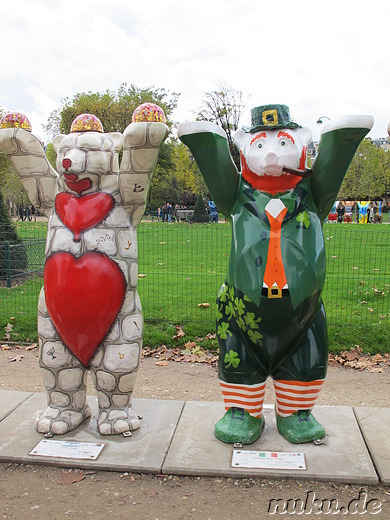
(320, 58)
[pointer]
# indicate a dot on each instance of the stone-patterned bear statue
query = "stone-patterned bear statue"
(89, 312)
(270, 316)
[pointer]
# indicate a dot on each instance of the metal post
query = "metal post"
(8, 263)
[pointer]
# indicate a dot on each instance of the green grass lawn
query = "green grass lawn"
(184, 265)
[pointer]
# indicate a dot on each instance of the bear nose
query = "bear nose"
(66, 163)
(271, 158)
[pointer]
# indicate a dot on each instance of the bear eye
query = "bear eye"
(260, 145)
(282, 143)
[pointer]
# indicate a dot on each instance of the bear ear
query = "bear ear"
(240, 137)
(117, 139)
(57, 141)
(305, 134)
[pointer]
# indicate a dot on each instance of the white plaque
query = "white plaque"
(68, 449)
(268, 460)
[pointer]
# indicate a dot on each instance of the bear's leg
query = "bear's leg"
(114, 370)
(294, 404)
(64, 379)
(243, 421)
(298, 381)
(241, 373)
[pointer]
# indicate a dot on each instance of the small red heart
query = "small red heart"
(79, 186)
(82, 213)
(83, 297)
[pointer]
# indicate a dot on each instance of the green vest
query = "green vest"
(302, 244)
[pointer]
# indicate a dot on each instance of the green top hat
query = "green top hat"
(267, 117)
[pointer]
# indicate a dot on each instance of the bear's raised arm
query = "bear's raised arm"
(30, 162)
(142, 142)
(338, 144)
(209, 146)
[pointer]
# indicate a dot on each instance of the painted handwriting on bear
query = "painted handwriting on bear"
(103, 239)
(51, 353)
(129, 244)
(121, 356)
(138, 188)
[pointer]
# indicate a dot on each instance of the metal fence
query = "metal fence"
(181, 267)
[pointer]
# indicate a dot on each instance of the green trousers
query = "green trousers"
(272, 339)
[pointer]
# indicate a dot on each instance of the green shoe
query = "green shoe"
(300, 427)
(237, 425)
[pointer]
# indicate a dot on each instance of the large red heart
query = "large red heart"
(83, 297)
(82, 213)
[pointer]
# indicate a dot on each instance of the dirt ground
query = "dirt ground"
(35, 491)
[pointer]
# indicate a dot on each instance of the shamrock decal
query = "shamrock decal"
(304, 219)
(231, 359)
(223, 330)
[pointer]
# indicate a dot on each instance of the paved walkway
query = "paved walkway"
(176, 437)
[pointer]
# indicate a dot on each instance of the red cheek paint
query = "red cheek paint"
(302, 160)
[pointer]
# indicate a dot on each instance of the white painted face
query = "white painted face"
(266, 152)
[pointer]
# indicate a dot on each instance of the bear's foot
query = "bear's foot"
(58, 421)
(237, 425)
(300, 427)
(114, 421)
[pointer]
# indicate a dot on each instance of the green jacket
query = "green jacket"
(302, 243)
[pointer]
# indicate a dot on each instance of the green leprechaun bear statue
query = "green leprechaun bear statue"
(270, 315)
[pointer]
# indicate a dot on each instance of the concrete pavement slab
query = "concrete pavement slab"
(375, 426)
(342, 458)
(143, 452)
(9, 400)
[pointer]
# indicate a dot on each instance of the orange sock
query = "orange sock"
(248, 397)
(292, 396)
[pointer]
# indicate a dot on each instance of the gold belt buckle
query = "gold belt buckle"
(274, 292)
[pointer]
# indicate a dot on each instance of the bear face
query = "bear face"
(82, 158)
(266, 152)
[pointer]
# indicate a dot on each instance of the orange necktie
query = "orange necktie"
(274, 270)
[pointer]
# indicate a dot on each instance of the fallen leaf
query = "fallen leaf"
(179, 333)
(141, 275)
(352, 354)
(16, 358)
(5, 347)
(69, 477)
(190, 344)
(162, 363)
(8, 327)
(204, 305)
(32, 346)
